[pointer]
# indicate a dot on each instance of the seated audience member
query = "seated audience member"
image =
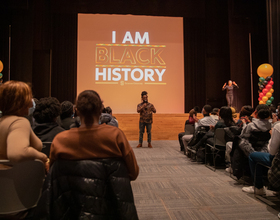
(97, 152)
(245, 115)
(205, 121)
(234, 115)
(67, 115)
(225, 120)
(45, 114)
(17, 140)
(254, 137)
(107, 118)
(192, 119)
(265, 159)
(244, 118)
(215, 114)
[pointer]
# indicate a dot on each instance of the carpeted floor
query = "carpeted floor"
(171, 187)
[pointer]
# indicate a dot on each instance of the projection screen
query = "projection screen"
(119, 56)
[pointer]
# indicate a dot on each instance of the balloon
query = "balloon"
(260, 83)
(268, 78)
(271, 91)
(264, 99)
(271, 83)
(1, 75)
(261, 102)
(1, 66)
(261, 95)
(259, 98)
(261, 86)
(268, 95)
(261, 79)
(265, 70)
(264, 83)
(265, 91)
(268, 87)
(259, 91)
(271, 98)
(268, 102)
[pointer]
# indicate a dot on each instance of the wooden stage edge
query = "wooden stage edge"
(164, 127)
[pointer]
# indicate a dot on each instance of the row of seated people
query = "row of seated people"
(48, 117)
(253, 138)
(89, 168)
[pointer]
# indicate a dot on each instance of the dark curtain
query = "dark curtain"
(273, 23)
(44, 37)
(64, 57)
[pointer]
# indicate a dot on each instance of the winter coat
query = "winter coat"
(87, 189)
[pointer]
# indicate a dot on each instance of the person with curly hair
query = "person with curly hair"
(45, 114)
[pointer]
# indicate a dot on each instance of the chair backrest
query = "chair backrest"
(20, 185)
(189, 129)
(219, 137)
(46, 148)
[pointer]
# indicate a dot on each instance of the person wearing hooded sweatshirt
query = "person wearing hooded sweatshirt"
(259, 121)
(254, 137)
(45, 114)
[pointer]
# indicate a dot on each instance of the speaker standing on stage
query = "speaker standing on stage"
(231, 85)
(146, 111)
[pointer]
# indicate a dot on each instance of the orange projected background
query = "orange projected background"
(119, 56)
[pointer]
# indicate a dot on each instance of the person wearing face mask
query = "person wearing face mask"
(146, 111)
(229, 96)
(17, 140)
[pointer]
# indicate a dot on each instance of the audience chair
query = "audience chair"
(215, 148)
(20, 185)
(46, 148)
(189, 129)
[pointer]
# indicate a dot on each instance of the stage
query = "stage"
(164, 127)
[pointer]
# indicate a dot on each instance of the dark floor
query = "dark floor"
(170, 186)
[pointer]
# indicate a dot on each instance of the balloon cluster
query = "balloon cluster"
(266, 90)
(265, 84)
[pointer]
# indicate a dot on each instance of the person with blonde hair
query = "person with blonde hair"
(17, 140)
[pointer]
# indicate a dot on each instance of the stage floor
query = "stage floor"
(164, 127)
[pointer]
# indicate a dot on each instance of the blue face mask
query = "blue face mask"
(31, 110)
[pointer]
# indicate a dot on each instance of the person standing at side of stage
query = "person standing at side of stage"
(229, 96)
(146, 111)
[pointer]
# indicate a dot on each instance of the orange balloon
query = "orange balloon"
(268, 95)
(264, 99)
(261, 102)
(271, 91)
(265, 70)
(1, 66)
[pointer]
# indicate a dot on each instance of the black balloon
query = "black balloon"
(259, 91)
(265, 83)
(268, 78)
(261, 87)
